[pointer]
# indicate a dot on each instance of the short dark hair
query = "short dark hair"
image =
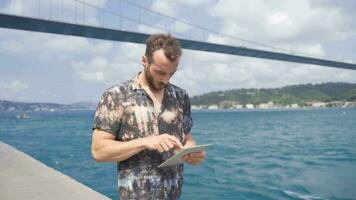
(169, 44)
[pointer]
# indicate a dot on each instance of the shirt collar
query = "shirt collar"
(135, 82)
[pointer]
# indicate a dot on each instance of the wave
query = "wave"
(301, 196)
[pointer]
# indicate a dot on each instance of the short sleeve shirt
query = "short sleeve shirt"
(128, 112)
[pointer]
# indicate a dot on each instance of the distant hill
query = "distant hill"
(294, 94)
(22, 106)
(299, 94)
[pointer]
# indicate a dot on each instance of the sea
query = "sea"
(257, 154)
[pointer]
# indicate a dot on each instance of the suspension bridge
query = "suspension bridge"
(79, 18)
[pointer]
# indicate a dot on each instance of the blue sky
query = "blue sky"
(40, 67)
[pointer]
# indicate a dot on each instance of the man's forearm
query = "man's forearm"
(106, 149)
(111, 150)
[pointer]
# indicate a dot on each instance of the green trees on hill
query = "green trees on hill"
(300, 94)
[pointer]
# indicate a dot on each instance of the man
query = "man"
(144, 121)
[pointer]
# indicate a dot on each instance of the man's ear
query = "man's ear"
(144, 61)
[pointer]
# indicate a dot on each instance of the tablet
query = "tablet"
(176, 159)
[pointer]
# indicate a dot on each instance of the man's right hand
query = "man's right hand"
(162, 143)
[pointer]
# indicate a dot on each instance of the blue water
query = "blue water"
(281, 154)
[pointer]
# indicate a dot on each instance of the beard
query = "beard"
(155, 85)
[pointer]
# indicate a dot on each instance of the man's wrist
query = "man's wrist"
(143, 142)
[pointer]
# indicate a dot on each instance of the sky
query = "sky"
(41, 67)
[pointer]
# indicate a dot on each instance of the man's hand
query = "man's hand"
(162, 143)
(194, 158)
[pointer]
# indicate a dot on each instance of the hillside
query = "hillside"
(22, 106)
(294, 94)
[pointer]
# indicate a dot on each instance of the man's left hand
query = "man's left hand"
(194, 158)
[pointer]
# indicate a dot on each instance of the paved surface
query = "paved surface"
(23, 177)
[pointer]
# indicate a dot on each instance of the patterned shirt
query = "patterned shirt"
(127, 112)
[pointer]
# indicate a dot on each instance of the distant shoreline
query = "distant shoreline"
(273, 109)
(49, 107)
(197, 110)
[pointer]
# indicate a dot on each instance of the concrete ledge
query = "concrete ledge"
(23, 177)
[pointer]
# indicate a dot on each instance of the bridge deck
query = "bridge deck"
(41, 25)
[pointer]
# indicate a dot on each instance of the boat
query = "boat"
(22, 116)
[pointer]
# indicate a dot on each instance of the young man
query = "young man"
(144, 121)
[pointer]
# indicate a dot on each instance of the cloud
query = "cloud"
(201, 72)
(14, 86)
(92, 71)
(172, 8)
(111, 70)
(290, 22)
(49, 46)
(77, 45)
(150, 29)
(164, 7)
(169, 7)
(178, 28)
(59, 10)
(181, 26)
(294, 25)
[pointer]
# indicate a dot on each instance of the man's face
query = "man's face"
(159, 71)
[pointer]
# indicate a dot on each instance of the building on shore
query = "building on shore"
(271, 105)
(249, 106)
(318, 104)
(213, 107)
(294, 105)
(268, 105)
